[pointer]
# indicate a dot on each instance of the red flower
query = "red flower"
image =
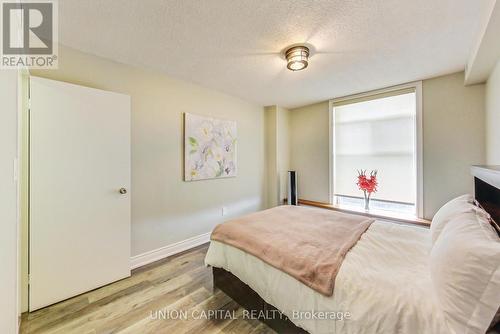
(367, 184)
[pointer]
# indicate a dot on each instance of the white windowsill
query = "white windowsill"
(381, 214)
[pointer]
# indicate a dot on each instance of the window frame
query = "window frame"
(372, 95)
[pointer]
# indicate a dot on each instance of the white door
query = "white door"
(79, 162)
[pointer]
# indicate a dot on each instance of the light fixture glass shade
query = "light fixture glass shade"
(297, 58)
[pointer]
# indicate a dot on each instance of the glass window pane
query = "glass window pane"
(377, 135)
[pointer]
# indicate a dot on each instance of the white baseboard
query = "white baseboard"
(166, 251)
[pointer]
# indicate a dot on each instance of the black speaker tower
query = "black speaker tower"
(293, 198)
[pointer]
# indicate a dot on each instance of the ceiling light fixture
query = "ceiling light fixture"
(297, 57)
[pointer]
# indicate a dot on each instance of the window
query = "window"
(378, 131)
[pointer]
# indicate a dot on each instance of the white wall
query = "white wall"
(309, 131)
(24, 192)
(165, 209)
(453, 132)
(272, 184)
(8, 202)
(453, 135)
(493, 117)
(283, 152)
(277, 140)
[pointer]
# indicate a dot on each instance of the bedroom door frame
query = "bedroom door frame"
(419, 166)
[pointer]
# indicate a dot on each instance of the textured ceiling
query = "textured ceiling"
(234, 45)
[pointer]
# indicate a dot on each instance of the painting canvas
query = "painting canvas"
(209, 148)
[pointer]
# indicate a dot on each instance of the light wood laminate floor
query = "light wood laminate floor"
(181, 283)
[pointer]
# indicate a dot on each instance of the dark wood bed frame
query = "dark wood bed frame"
(250, 300)
(488, 197)
(485, 194)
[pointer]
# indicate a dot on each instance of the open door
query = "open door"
(79, 190)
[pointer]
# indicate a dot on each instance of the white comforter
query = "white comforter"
(383, 286)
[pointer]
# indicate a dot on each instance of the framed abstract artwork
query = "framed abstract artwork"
(209, 148)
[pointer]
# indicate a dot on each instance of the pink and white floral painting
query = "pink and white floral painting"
(209, 148)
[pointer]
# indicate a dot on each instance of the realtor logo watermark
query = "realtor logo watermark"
(29, 34)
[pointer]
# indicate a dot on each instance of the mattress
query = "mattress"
(383, 286)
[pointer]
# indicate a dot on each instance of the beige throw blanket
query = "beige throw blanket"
(309, 244)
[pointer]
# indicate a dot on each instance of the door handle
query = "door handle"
(122, 191)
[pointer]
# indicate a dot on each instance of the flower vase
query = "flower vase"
(367, 202)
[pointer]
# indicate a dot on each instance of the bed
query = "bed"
(384, 285)
(385, 250)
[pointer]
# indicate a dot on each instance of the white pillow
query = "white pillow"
(465, 271)
(461, 204)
